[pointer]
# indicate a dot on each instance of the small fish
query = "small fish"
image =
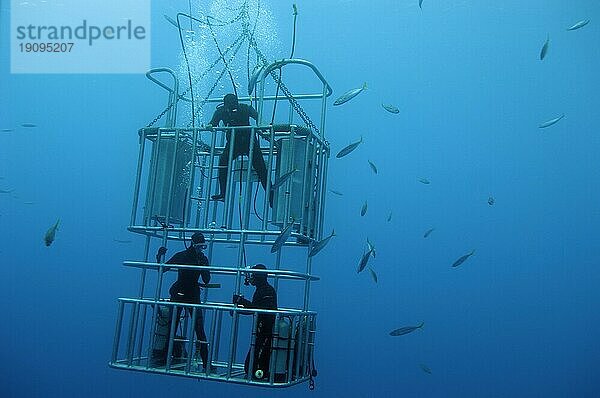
(371, 248)
(338, 193)
(363, 261)
(231, 247)
(28, 203)
(420, 4)
(551, 122)
(545, 48)
(348, 95)
(390, 108)
(345, 151)
(282, 238)
(171, 21)
(462, 259)
(579, 24)
(428, 232)
(363, 210)
(283, 178)
(6, 191)
(491, 201)
(122, 241)
(373, 167)
(425, 368)
(320, 245)
(424, 181)
(29, 125)
(405, 330)
(7, 130)
(373, 274)
(389, 217)
(51, 234)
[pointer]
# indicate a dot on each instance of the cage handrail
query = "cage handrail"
(150, 76)
(281, 274)
(297, 61)
(219, 306)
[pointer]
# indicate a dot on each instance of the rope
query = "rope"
(297, 107)
(280, 70)
(211, 67)
(212, 32)
(239, 45)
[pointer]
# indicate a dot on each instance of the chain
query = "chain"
(239, 45)
(295, 104)
(211, 67)
(160, 115)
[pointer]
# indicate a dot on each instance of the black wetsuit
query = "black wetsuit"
(241, 117)
(186, 290)
(264, 298)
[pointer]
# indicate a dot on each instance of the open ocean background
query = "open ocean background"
(520, 318)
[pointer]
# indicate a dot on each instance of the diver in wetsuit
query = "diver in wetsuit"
(186, 289)
(232, 113)
(264, 298)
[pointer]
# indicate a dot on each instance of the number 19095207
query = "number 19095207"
(46, 47)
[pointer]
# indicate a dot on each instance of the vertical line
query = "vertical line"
(117, 338)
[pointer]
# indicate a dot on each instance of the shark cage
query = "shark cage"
(176, 179)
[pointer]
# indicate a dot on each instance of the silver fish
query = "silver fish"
(348, 95)
(338, 193)
(491, 201)
(545, 48)
(551, 122)
(6, 191)
(320, 245)
(390, 217)
(345, 151)
(390, 108)
(373, 167)
(283, 178)
(51, 234)
(405, 330)
(29, 125)
(282, 238)
(371, 248)
(28, 203)
(425, 368)
(428, 232)
(373, 274)
(124, 241)
(7, 130)
(363, 261)
(579, 24)
(363, 210)
(420, 4)
(424, 181)
(462, 259)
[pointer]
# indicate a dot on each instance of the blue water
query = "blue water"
(520, 318)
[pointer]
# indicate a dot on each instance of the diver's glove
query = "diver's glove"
(161, 252)
(237, 299)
